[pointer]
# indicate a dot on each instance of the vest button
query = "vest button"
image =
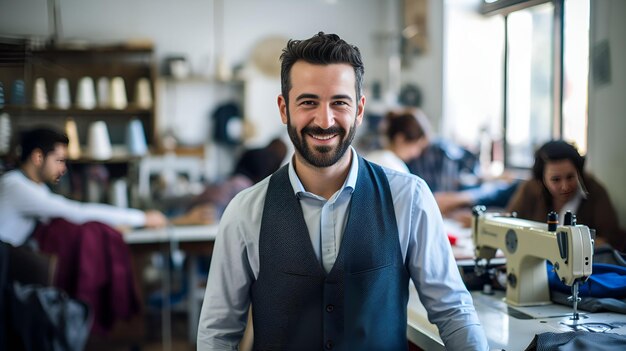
(330, 308)
(329, 345)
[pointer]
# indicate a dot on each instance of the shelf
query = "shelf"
(131, 61)
(14, 109)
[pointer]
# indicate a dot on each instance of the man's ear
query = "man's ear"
(37, 157)
(282, 108)
(360, 110)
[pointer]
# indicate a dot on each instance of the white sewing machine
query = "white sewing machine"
(527, 245)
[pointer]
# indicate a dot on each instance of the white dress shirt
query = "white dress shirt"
(24, 202)
(424, 246)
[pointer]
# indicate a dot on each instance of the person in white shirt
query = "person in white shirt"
(325, 248)
(405, 139)
(25, 198)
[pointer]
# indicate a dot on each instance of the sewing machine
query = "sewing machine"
(527, 245)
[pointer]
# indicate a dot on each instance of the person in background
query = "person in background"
(405, 140)
(560, 184)
(325, 247)
(453, 175)
(252, 167)
(25, 199)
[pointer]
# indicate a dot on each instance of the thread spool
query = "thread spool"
(40, 94)
(5, 133)
(118, 193)
(62, 98)
(86, 94)
(104, 92)
(118, 97)
(18, 92)
(73, 147)
(136, 138)
(99, 142)
(143, 96)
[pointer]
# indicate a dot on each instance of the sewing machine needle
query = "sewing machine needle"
(575, 299)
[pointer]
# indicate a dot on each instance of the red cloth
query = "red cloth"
(93, 265)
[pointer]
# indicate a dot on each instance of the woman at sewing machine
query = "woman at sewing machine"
(559, 184)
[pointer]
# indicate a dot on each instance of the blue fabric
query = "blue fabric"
(606, 280)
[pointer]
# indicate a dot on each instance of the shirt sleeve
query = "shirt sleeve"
(436, 277)
(36, 201)
(226, 300)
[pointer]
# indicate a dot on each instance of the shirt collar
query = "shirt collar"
(349, 183)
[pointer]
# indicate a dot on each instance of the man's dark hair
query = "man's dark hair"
(556, 150)
(321, 49)
(43, 138)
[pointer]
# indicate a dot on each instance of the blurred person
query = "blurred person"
(559, 183)
(79, 235)
(405, 139)
(252, 166)
(324, 248)
(25, 199)
(453, 174)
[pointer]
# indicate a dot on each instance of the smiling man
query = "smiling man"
(325, 247)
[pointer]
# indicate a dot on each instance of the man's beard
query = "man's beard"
(320, 156)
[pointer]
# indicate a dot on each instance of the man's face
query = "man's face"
(53, 166)
(323, 111)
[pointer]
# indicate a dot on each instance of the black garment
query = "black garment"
(37, 318)
(360, 304)
(577, 341)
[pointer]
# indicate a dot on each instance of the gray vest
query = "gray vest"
(360, 304)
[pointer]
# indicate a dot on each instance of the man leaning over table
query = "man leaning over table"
(26, 199)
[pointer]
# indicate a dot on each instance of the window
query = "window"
(515, 76)
(546, 77)
(575, 72)
(530, 74)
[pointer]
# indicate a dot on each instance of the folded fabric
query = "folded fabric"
(590, 304)
(606, 280)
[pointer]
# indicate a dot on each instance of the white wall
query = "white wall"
(607, 104)
(187, 27)
(427, 70)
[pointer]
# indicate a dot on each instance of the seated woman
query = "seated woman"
(405, 140)
(411, 148)
(559, 184)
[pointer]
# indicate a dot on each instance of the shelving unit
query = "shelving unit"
(52, 64)
(130, 62)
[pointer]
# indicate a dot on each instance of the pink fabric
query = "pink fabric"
(93, 265)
